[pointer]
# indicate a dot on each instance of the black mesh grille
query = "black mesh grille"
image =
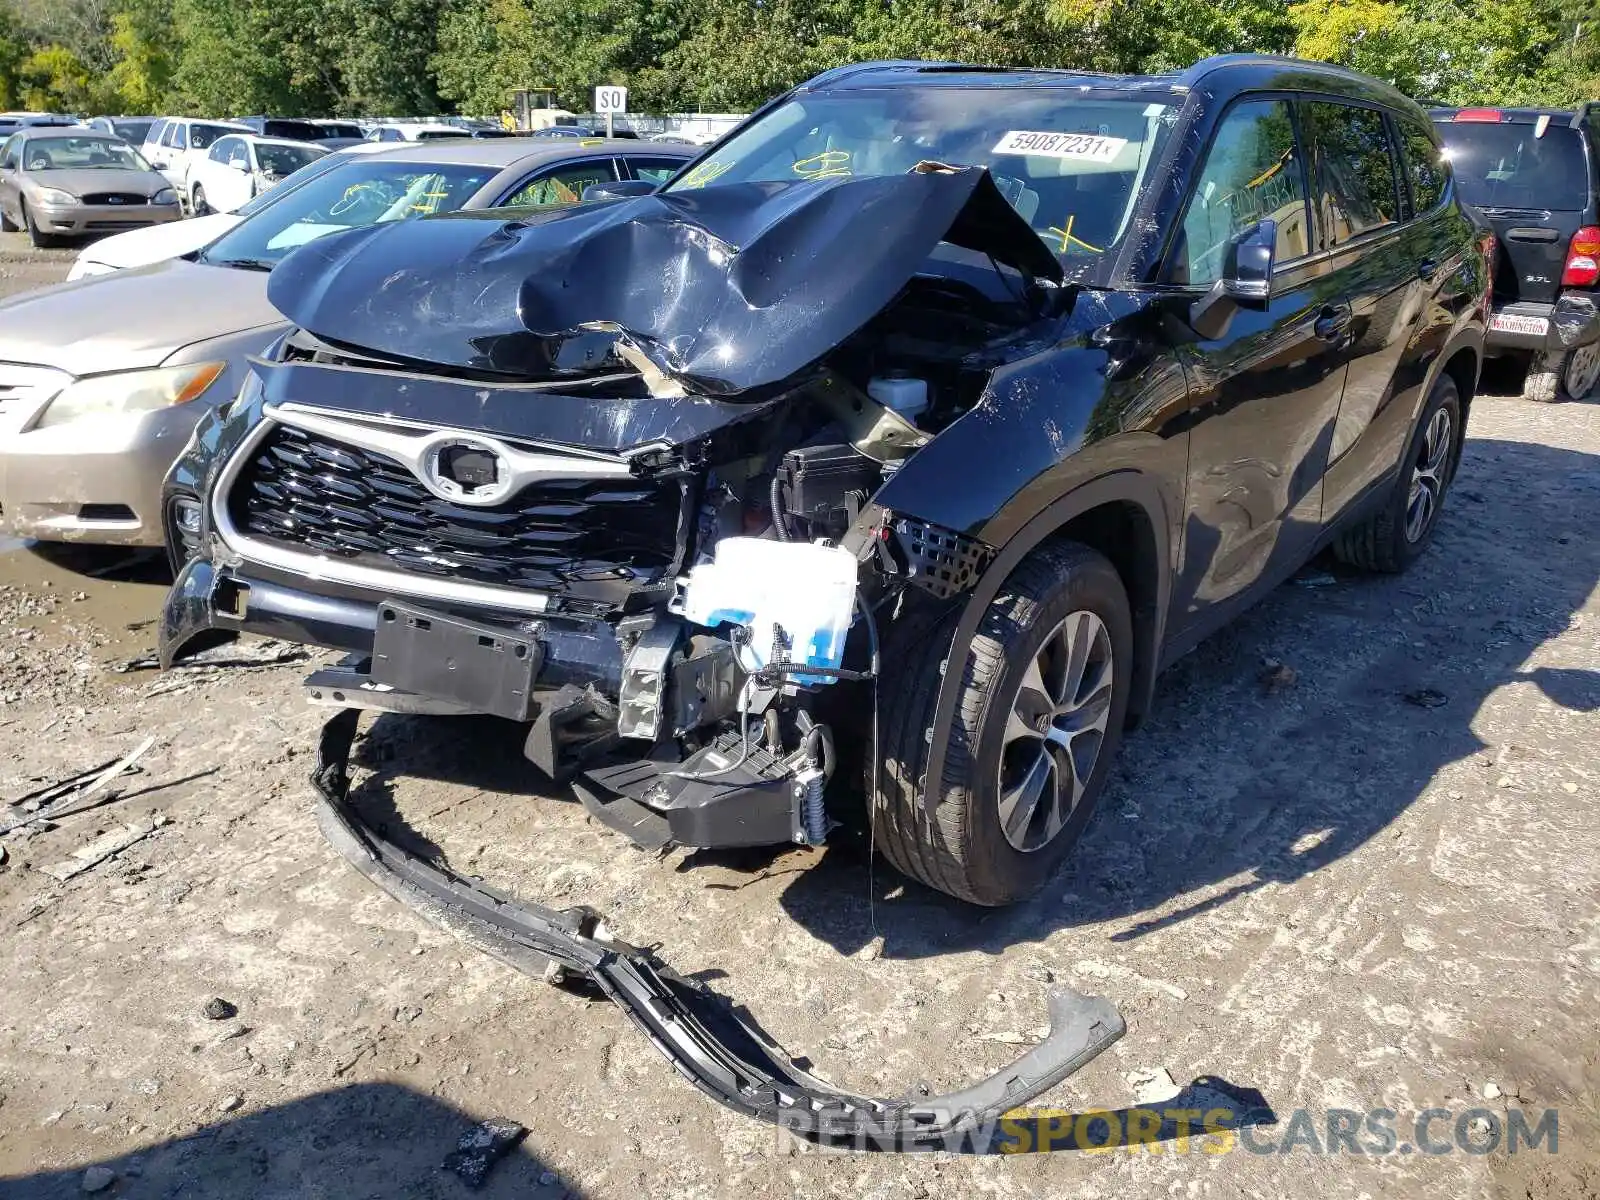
(115, 198)
(304, 492)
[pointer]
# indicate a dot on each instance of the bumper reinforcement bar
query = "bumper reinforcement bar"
(710, 1042)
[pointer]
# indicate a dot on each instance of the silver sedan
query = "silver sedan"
(103, 380)
(63, 183)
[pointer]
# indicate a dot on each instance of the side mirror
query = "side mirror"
(1246, 281)
(618, 189)
(239, 164)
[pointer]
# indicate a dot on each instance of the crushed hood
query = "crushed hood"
(723, 288)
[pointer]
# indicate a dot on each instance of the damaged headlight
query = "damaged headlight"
(130, 392)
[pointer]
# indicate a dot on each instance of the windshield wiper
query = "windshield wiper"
(244, 264)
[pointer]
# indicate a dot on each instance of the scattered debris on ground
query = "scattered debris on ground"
(481, 1147)
(108, 845)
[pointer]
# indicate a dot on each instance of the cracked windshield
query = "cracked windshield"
(1073, 168)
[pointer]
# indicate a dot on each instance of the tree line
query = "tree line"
(418, 57)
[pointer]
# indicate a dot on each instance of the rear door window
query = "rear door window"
(1356, 189)
(175, 137)
(1510, 166)
(1252, 173)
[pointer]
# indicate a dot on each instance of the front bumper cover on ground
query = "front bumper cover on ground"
(713, 1045)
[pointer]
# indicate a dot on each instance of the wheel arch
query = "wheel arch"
(1462, 361)
(1121, 515)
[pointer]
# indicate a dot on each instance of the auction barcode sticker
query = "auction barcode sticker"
(1092, 146)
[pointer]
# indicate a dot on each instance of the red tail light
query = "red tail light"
(1583, 259)
(1478, 114)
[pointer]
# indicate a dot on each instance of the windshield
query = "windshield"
(285, 160)
(1072, 165)
(359, 192)
(81, 154)
(1506, 166)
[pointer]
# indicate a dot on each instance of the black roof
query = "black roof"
(1223, 73)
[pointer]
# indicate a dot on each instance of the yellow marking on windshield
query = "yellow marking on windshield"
(1067, 240)
(830, 164)
(704, 174)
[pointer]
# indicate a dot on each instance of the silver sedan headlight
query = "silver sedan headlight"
(56, 197)
(164, 196)
(130, 392)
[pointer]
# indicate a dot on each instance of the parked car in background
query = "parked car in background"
(427, 131)
(1533, 176)
(102, 380)
(240, 167)
(340, 129)
(140, 247)
(132, 130)
(1037, 376)
(300, 129)
(62, 183)
(475, 131)
(10, 122)
(175, 144)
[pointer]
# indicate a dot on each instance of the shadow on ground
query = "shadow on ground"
(366, 1140)
(1226, 789)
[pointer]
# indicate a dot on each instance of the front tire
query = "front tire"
(1392, 538)
(1043, 696)
(197, 202)
(7, 225)
(40, 239)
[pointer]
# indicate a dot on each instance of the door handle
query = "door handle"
(1332, 322)
(1427, 269)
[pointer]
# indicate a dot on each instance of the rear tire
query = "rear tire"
(1392, 538)
(197, 202)
(1043, 696)
(1563, 375)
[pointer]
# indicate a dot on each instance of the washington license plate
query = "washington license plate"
(1510, 323)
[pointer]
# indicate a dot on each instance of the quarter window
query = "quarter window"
(656, 170)
(1424, 167)
(1252, 174)
(1356, 189)
(176, 137)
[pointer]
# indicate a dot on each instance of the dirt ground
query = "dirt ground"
(1371, 883)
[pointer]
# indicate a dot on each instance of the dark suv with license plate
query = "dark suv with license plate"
(975, 395)
(1533, 176)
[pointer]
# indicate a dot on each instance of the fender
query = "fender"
(1120, 486)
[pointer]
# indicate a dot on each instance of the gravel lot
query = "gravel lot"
(1368, 882)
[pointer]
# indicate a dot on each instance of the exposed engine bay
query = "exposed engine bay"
(693, 563)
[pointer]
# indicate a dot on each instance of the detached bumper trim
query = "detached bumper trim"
(714, 1046)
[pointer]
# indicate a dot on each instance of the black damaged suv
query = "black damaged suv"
(1532, 175)
(1069, 368)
